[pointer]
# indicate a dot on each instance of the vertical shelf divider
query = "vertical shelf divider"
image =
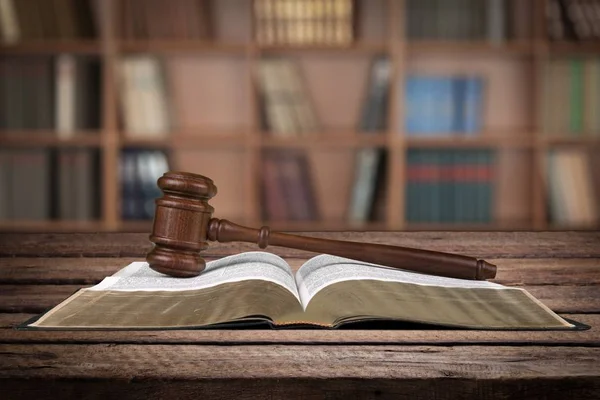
(538, 166)
(396, 143)
(253, 139)
(109, 132)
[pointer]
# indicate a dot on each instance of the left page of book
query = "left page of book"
(252, 285)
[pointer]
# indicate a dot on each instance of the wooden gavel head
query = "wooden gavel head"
(181, 222)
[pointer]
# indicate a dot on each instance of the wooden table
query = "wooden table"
(560, 268)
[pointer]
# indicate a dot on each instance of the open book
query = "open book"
(326, 291)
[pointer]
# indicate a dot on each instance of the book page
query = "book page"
(235, 289)
(324, 270)
(138, 276)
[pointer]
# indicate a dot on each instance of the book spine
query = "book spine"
(576, 97)
(472, 105)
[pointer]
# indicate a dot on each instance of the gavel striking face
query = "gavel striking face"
(183, 225)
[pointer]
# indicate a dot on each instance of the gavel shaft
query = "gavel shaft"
(424, 261)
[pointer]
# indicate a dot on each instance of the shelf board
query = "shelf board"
(197, 140)
(319, 140)
(574, 48)
(52, 46)
(36, 138)
(524, 140)
(313, 226)
(585, 139)
(461, 226)
(182, 46)
(353, 48)
(469, 46)
(52, 226)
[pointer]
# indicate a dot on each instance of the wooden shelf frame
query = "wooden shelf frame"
(111, 140)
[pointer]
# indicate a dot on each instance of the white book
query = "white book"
(66, 76)
(9, 25)
(326, 291)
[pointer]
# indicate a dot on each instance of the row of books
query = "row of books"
(492, 20)
(144, 99)
(139, 169)
(287, 191)
(450, 185)
(573, 187)
(574, 20)
(40, 184)
(47, 19)
(443, 105)
(298, 22)
(162, 19)
(572, 97)
(59, 93)
(286, 108)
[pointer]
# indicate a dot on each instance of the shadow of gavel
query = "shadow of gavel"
(183, 224)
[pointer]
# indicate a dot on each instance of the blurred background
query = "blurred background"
(308, 114)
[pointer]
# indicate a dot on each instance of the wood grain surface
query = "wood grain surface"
(562, 269)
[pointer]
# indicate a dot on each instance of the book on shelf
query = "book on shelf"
(572, 20)
(572, 97)
(495, 21)
(260, 289)
(443, 105)
(41, 184)
(285, 102)
(304, 22)
(573, 184)
(370, 165)
(287, 187)
(58, 94)
(450, 186)
(144, 100)
(44, 19)
(139, 171)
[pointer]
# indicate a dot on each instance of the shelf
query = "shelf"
(316, 140)
(456, 46)
(182, 46)
(189, 140)
(523, 140)
(574, 48)
(36, 138)
(306, 226)
(353, 48)
(461, 226)
(51, 46)
(52, 226)
(586, 140)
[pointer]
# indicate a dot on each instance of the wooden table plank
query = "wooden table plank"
(37, 298)
(415, 372)
(89, 271)
(477, 244)
(590, 337)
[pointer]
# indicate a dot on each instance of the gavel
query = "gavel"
(183, 224)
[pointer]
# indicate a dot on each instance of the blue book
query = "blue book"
(473, 98)
(443, 97)
(458, 97)
(414, 104)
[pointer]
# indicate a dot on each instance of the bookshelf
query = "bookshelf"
(213, 83)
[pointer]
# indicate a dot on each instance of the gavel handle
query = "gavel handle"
(425, 261)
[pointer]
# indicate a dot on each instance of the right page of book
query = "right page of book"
(342, 290)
